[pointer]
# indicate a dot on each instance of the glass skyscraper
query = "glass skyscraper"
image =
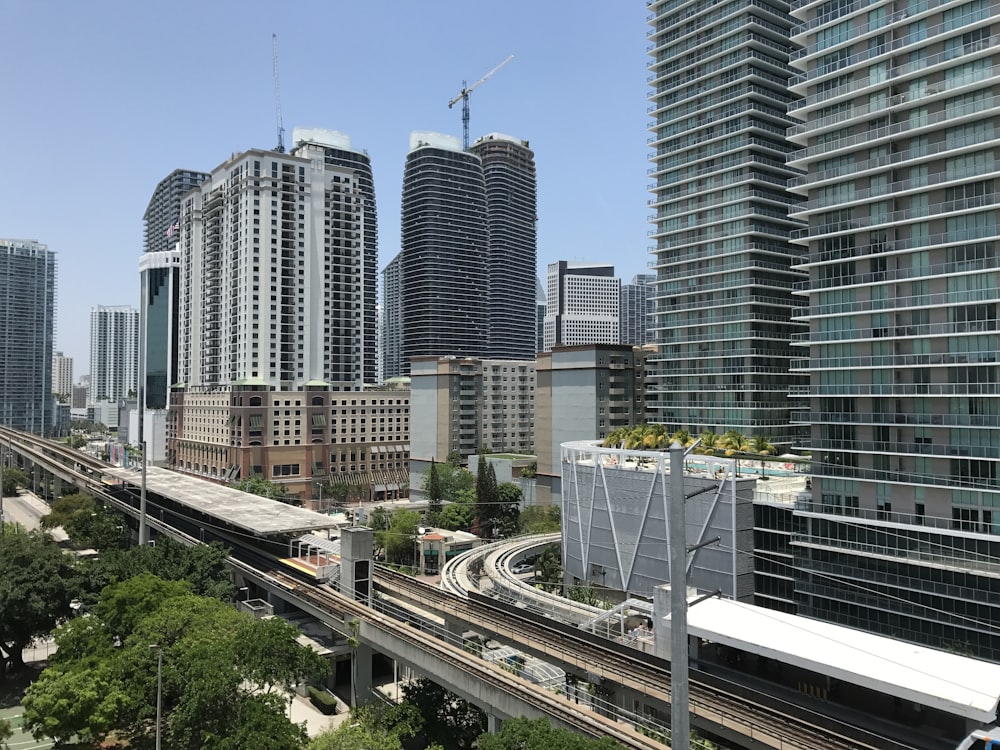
(159, 269)
(444, 290)
(725, 310)
(898, 147)
(27, 323)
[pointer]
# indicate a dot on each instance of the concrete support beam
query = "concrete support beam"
(361, 675)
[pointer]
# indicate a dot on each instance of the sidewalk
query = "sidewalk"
(302, 710)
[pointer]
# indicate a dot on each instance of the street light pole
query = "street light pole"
(159, 690)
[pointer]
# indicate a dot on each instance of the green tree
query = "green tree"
(454, 460)
(13, 478)
(487, 500)
(459, 514)
(762, 446)
(37, 583)
(449, 721)
(372, 727)
(76, 441)
(710, 444)
(6, 732)
(203, 566)
(225, 675)
(63, 509)
(735, 444)
(399, 540)
(102, 529)
(507, 512)
(549, 570)
(265, 488)
(434, 495)
(539, 519)
(529, 734)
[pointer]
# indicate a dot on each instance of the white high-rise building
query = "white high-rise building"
(114, 353)
(62, 374)
(274, 287)
(583, 304)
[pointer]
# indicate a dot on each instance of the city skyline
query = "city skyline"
(146, 119)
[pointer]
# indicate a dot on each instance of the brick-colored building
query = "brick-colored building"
(315, 442)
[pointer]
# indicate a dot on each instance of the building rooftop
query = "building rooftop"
(259, 515)
(938, 679)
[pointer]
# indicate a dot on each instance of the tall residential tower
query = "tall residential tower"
(898, 145)
(159, 279)
(114, 353)
(27, 323)
(725, 313)
(274, 288)
(511, 213)
(444, 261)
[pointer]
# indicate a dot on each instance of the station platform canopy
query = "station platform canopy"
(258, 515)
(958, 685)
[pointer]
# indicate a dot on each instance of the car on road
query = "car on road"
(523, 568)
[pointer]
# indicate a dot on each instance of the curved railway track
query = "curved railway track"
(757, 716)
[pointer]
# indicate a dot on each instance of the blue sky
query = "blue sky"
(102, 99)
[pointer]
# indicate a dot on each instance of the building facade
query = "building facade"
(896, 140)
(62, 375)
(637, 307)
(27, 324)
(444, 289)
(357, 292)
(466, 405)
(511, 214)
(319, 445)
(392, 320)
(114, 353)
(725, 312)
(582, 305)
(273, 286)
(584, 393)
(160, 222)
(159, 280)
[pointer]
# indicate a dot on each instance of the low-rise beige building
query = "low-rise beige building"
(323, 446)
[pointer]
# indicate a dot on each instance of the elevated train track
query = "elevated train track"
(758, 719)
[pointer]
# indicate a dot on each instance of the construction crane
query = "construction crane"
(464, 96)
(277, 96)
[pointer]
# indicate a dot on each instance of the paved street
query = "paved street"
(24, 509)
(21, 740)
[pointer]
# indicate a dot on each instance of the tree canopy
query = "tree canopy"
(539, 519)
(37, 583)
(399, 539)
(522, 734)
(449, 721)
(265, 488)
(225, 674)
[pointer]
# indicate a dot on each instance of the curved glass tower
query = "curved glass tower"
(444, 288)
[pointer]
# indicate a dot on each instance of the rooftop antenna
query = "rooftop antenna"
(464, 96)
(277, 96)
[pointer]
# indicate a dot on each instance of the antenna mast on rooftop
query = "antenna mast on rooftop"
(277, 96)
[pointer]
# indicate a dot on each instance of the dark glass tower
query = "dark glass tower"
(444, 258)
(511, 208)
(159, 270)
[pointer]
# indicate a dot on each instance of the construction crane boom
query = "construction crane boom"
(277, 96)
(464, 96)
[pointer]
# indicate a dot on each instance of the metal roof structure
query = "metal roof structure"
(258, 515)
(955, 684)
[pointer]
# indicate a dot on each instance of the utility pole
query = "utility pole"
(680, 720)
